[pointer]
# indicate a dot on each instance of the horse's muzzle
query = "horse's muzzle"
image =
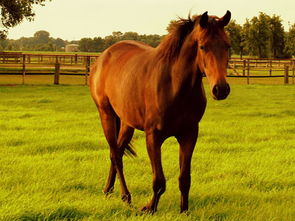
(220, 91)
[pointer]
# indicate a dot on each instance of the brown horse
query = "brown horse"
(160, 91)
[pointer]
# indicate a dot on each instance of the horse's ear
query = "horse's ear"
(225, 19)
(204, 20)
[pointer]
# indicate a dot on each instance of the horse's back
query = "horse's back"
(115, 58)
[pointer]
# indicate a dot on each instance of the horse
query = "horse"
(160, 91)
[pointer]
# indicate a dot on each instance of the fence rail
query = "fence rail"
(45, 64)
(262, 68)
(12, 63)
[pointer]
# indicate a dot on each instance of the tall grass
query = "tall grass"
(54, 159)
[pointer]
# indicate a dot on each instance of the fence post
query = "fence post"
(248, 72)
(87, 69)
(293, 71)
(24, 68)
(57, 72)
(76, 58)
(244, 67)
(286, 78)
(270, 67)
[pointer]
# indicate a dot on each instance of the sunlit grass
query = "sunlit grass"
(54, 159)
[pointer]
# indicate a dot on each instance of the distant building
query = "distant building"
(71, 48)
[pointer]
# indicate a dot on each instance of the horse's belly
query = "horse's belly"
(131, 112)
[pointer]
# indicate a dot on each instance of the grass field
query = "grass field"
(54, 159)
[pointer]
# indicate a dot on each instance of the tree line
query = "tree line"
(41, 41)
(262, 36)
(99, 44)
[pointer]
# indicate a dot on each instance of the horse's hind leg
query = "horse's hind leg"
(124, 138)
(109, 187)
(110, 127)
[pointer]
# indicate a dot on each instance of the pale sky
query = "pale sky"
(75, 19)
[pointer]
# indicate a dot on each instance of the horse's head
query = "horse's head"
(212, 57)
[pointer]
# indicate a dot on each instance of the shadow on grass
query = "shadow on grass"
(62, 213)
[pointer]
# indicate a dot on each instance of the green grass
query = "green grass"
(54, 159)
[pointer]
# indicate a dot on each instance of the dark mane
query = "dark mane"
(171, 45)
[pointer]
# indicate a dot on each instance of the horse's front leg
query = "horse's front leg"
(187, 141)
(154, 142)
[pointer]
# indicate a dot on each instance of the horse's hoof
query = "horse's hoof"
(108, 192)
(185, 212)
(147, 209)
(126, 198)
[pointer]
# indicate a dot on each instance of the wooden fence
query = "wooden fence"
(79, 64)
(46, 64)
(262, 68)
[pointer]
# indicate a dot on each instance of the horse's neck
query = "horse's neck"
(177, 70)
(185, 72)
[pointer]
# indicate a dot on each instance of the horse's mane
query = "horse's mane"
(171, 45)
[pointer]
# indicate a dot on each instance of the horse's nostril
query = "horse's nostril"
(220, 92)
(215, 90)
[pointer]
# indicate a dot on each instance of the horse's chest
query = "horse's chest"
(182, 115)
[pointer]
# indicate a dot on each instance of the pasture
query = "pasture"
(54, 159)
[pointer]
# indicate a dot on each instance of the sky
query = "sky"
(76, 19)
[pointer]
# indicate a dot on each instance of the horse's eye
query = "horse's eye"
(202, 47)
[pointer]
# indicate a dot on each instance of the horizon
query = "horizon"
(100, 19)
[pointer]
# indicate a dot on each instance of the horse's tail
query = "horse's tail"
(128, 149)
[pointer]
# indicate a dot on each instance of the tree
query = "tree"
(290, 41)
(98, 43)
(235, 34)
(245, 33)
(59, 44)
(131, 36)
(110, 40)
(257, 35)
(3, 44)
(15, 11)
(41, 37)
(277, 37)
(86, 45)
(117, 34)
(152, 40)
(26, 43)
